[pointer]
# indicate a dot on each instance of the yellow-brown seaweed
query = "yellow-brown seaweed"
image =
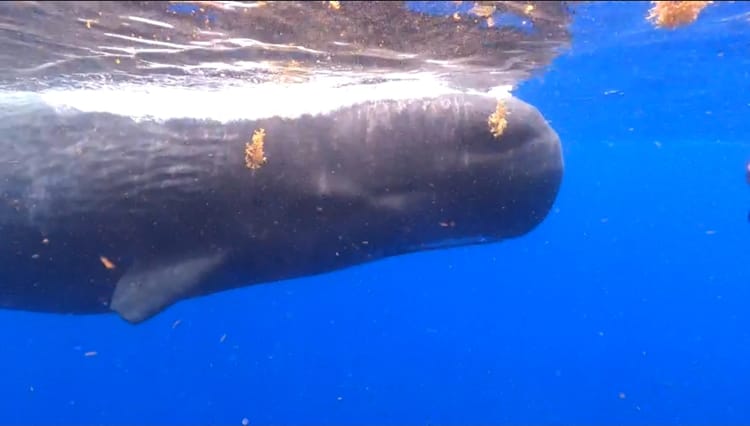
(497, 121)
(483, 10)
(255, 156)
(673, 14)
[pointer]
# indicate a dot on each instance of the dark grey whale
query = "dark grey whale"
(100, 212)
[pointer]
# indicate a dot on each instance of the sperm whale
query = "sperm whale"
(101, 212)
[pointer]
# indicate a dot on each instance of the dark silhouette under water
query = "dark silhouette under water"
(100, 212)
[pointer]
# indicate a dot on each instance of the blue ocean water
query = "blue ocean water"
(628, 305)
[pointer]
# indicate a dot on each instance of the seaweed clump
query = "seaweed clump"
(498, 121)
(255, 156)
(673, 14)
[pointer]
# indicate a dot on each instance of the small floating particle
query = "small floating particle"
(710, 232)
(176, 323)
(45, 241)
(673, 14)
(35, 256)
(117, 61)
(88, 23)
(622, 395)
(223, 338)
(497, 121)
(456, 17)
(529, 8)
(245, 421)
(335, 5)
(90, 354)
(107, 263)
(254, 155)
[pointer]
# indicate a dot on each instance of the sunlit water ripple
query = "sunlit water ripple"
(230, 59)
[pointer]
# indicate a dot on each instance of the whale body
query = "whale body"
(101, 212)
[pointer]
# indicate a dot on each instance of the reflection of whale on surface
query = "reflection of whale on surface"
(49, 44)
(100, 212)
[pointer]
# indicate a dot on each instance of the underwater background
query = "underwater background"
(627, 305)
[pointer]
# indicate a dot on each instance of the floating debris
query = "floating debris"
(673, 14)
(483, 10)
(293, 72)
(255, 157)
(335, 5)
(90, 354)
(498, 120)
(107, 263)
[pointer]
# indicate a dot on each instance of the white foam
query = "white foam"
(241, 102)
